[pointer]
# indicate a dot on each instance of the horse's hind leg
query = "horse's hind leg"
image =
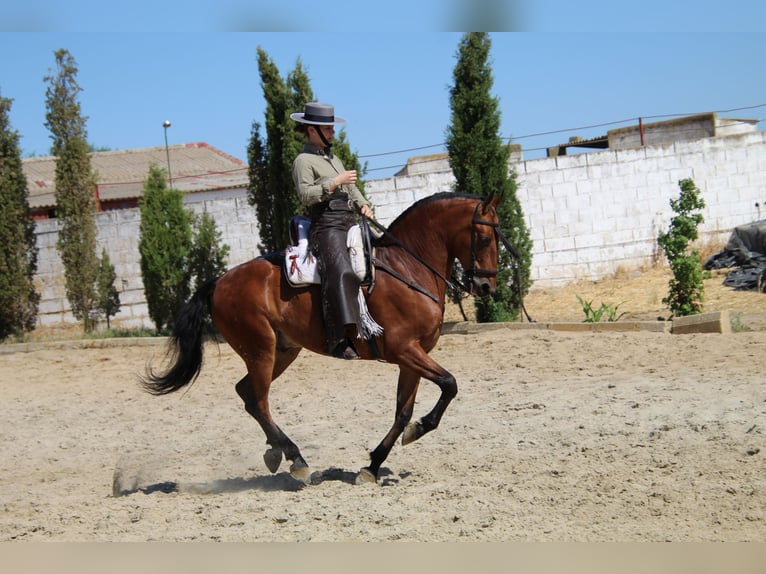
(254, 391)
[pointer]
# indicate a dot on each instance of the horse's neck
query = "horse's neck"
(427, 241)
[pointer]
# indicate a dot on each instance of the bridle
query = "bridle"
(500, 237)
(474, 270)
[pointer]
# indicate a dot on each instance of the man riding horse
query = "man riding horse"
(330, 194)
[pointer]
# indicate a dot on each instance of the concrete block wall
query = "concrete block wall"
(591, 213)
(587, 214)
(118, 233)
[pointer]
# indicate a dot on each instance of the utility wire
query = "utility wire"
(591, 126)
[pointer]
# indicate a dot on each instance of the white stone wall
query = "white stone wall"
(587, 214)
(118, 232)
(591, 213)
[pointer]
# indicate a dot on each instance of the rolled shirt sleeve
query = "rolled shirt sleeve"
(313, 175)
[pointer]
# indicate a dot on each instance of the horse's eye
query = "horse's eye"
(484, 240)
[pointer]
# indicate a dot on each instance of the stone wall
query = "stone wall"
(118, 232)
(592, 213)
(588, 214)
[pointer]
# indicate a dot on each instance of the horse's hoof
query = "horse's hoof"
(412, 432)
(365, 476)
(301, 472)
(273, 458)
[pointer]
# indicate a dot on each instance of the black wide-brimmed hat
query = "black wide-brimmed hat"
(318, 114)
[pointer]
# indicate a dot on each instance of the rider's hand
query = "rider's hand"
(347, 177)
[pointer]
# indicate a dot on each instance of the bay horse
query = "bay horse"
(267, 321)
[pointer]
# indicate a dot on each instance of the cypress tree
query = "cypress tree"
(208, 255)
(75, 186)
(258, 193)
(479, 160)
(686, 289)
(273, 193)
(165, 244)
(272, 190)
(108, 303)
(18, 245)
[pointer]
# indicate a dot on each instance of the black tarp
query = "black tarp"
(746, 250)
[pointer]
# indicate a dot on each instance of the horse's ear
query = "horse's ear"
(492, 201)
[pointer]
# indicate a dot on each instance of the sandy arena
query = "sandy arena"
(553, 436)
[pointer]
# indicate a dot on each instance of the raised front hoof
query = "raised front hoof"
(273, 458)
(301, 471)
(412, 432)
(365, 476)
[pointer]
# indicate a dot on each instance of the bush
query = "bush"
(165, 244)
(686, 288)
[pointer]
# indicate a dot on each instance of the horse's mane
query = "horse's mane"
(441, 196)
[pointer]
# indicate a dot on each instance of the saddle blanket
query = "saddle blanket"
(301, 265)
(301, 269)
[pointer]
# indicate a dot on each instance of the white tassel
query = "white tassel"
(367, 327)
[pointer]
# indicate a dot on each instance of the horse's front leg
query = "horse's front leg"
(448, 386)
(406, 391)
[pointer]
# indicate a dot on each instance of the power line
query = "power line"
(585, 127)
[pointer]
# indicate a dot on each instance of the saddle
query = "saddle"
(300, 265)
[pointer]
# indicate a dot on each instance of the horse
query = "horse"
(267, 321)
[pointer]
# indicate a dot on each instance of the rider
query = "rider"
(329, 193)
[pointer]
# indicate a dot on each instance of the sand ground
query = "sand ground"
(553, 436)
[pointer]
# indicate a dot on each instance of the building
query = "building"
(687, 128)
(120, 175)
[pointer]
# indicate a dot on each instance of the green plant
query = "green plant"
(606, 310)
(18, 244)
(165, 244)
(207, 258)
(479, 160)
(75, 183)
(123, 333)
(686, 288)
(270, 158)
(108, 298)
(737, 326)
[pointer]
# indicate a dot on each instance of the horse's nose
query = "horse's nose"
(484, 288)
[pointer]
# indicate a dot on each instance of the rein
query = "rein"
(415, 256)
(470, 274)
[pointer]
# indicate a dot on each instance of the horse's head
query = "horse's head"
(479, 261)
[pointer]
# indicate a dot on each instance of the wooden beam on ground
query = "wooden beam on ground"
(717, 322)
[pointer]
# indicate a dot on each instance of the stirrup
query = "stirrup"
(345, 350)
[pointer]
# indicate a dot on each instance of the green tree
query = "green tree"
(272, 191)
(208, 255)
(18, 245)
(75, 185)
(108, 303)
(479, 160)
(270, 160)
(258, 194)
(686, 289)
(165, 244)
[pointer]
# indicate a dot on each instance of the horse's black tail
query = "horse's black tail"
(186, 345)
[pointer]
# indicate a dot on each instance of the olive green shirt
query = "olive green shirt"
(313, 172)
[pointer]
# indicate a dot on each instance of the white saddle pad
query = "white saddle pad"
(301, 265)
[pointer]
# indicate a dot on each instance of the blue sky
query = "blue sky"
(558, 67)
